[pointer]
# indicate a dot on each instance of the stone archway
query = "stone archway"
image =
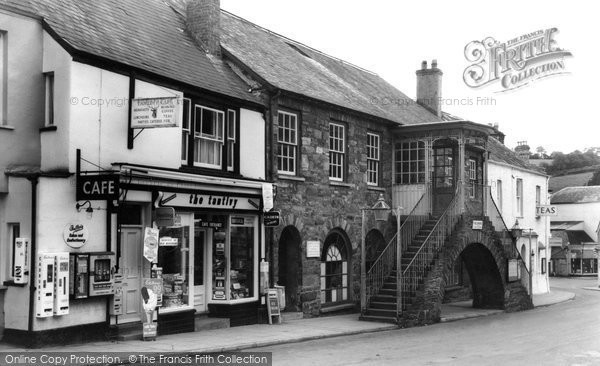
(486, 283)
(290, 266)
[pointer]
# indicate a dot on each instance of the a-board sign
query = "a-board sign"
(273, 305)
(271, 218)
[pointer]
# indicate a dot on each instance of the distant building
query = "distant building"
(575, 229)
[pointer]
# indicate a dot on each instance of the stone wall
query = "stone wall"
(313, 204)
(512, 296)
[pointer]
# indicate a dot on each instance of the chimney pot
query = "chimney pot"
(424, 65)
(434, 64)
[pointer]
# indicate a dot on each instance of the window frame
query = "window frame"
(472, 176)
(335, 239)
(199, 135)
(499, 194)
(49, 98)
(292, 146)
(231, 139)
(417, 176)
(519, 197)
(373, 158)
(337, 148)
(3, 77)
(186, 133)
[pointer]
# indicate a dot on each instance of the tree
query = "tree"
(575, 159)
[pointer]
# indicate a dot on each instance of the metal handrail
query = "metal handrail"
(493, 212)
(384, 264)
(423, 258)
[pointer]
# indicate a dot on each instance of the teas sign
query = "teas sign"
(546, 210)
(75, 235)
(154, 112)
(97, 187)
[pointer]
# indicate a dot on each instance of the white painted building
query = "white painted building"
(517, 189)
(67, 106)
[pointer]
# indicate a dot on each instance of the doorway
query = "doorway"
(290, 266)
(201, 245)
(130, 265)
(444, 177)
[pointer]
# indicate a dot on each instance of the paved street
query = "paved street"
(562, 334)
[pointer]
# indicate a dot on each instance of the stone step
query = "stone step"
(381, 319)
(206, 323)
(382, 305)
(291, 315)
(388, 313)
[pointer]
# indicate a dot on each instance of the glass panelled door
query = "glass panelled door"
(444, 177)
(201, 245)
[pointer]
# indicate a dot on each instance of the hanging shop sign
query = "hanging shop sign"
(151, 244)
(214, 201)
(313, 249)
(75, 235)
(546, 210)
(272, 218)
(154, 112)
(164, 216)
(97, 187)
(267, 193)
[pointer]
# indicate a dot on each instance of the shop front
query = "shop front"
(200, 241)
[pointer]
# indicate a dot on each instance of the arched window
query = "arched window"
(334, 269)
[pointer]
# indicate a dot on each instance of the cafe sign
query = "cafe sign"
(154, 112)
(97, 187)
(75, 235)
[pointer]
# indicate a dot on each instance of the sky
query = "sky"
(391, 38)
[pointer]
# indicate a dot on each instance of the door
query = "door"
(201, 245)
(444, 177)
(130, 265)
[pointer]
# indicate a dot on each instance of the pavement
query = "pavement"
(261, 335)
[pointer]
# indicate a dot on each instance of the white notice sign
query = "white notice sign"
(477, 224)
(313, 249)
(151, 244)
(154, 112)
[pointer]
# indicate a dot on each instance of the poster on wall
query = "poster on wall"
(75, 235)
(151, 244)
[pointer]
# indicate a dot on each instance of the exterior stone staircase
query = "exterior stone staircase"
(382, 307)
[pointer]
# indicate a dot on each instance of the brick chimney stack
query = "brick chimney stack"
(203, 22)
(523, 150)
(429, 87)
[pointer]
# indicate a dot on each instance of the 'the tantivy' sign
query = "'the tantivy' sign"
(214, 201)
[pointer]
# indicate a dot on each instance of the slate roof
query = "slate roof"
(557, 183)
(294, 67)
(587, 194)
(500, 153)
(148, 35)
(563, 225)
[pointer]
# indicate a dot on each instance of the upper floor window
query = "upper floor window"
(410, 162)
(185, 129)
(287, 142)
(372, 159)
(209, 126)
(519, 197)
(499, 194)
(231, 139)
(49, 103)
(337, 151)
(3, 77)
(538, 195)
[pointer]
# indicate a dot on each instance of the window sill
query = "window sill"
(48, 128)
(11, 283)
(340, 184)
(375, 188)
(7, 127)
(291, 177)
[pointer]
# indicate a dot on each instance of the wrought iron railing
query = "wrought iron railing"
(383, 266)
(508, 241)
(414, 273)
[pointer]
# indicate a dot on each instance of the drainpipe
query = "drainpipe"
(32, 262)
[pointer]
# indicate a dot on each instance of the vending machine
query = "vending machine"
(44, 306)
(21, 263)
(79, 284)
(102, 273)
(61, 283)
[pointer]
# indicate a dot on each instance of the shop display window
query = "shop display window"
(173, 258)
